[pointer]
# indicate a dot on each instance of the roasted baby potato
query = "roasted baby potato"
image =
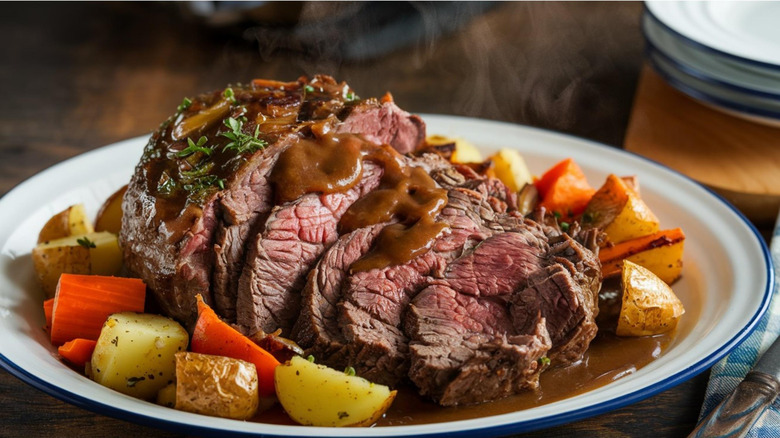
(619, 211)
(135, 353)
(93, 253)
(511, 169)
(464, 152)
(109, 217)
(71, 221)
(316, 395)
(649, 305)
(167, 396)
(216, 385)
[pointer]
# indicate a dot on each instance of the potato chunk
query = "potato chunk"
(135, 353)
(316, 395)
(93, 253)
(511, 169)
(216, 385)
(71, 221)
(464, 152)
(619, 211)
(109, 217)
(649, 306)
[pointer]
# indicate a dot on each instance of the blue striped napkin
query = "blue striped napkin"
(726, 374)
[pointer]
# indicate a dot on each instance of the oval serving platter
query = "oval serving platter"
(726, 284)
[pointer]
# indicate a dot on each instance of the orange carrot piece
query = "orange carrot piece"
(77, 351)
(387, 98)
(83, 302)
(564, 189)
(213, 336)
(48, 308)
(270, 83)
(630, 247)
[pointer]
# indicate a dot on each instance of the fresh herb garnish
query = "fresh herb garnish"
(564, 226)
(349, 371)
(351, 97)
(308, 88)
(310, 358)
(185, 103)
(194, 147)
(200, 184)
(229, 95)
(587, 218)
(86, 243)
(131, 381)
(544, 360)
(240, 142)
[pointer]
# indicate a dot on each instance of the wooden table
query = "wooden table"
(79, 76)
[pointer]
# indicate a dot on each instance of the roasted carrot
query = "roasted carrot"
(77, 351)
(630, 247)
(48, 308)
(564, 190)
(387, 98)
(213, 336)
(83, 302)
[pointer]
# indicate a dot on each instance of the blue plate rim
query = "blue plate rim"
(703, 95)
(497, 430)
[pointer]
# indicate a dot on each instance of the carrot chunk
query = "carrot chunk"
(214, 336)
(630, 247)
(77, 351)
(83, 302)
(564, 190)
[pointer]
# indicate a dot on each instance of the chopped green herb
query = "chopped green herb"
(557, 214)
(86, 243)
(202, 183)
(308, 88)
(197, 172)
(310, 358)
(194, 147)
(544, 360)
(587, 218)
(351, 97)
(229, 95)
(185, 103)
(349, 371)
(240, 142)
(166, 185)
(564, 226)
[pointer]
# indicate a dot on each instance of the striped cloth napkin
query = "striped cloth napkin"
(726, 374)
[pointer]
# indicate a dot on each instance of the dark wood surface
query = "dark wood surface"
(79, 76)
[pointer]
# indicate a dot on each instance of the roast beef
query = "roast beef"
(188, 218)
(491, 300)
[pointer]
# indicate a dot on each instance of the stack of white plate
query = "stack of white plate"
(725, 54)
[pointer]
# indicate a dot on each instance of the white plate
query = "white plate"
(746, 30)
(726, 284)
(708, 66)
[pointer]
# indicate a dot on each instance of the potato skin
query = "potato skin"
(66, 255)
(109, 217)
(216, 385)
(71, 221)
(135, 353)
(649, 305)
(316, 395)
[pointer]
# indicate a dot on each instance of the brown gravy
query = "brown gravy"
(333, 163)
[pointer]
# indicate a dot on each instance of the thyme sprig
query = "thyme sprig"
(193, 147)
(239, 141)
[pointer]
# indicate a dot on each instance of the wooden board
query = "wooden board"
(737, 158)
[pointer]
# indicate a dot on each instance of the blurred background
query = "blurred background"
(76, 76)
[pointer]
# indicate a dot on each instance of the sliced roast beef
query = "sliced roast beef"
(465, 349)
(280, 257)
